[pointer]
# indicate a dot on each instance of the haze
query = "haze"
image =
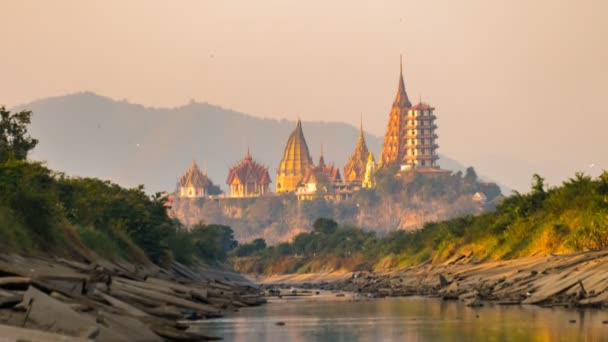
(519, 86)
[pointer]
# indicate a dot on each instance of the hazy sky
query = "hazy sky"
(514, 82)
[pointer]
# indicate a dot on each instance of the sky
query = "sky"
(518, 86)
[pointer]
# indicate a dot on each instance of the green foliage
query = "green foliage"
(572, 217)
(212, 242)
(247, 249)
(324, 226)
(15, 143)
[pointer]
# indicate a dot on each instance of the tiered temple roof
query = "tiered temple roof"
(296, 160)
(410, 141)
(393, 149)
(354, 170)
(194, 178)
(248, 171)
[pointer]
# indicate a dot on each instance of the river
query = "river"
(406, 319)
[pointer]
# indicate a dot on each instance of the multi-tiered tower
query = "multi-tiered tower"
(410, 141)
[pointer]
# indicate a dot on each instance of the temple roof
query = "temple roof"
(355, 166)
(248, 170)
(330, 172)
(401, 100)
(194, 177)
(296, 157)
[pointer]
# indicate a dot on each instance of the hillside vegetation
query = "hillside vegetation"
(47, 212)
(571, 217)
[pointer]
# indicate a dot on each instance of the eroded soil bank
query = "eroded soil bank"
(574, 280)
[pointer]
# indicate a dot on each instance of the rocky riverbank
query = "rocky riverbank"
(574, 280)
(54, 299)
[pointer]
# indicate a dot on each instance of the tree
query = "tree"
(15, 143)
(470, 176)
(538, 184)
(325, 226)
(213, 242)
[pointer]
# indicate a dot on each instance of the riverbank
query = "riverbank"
(573, 280)
(52, 299)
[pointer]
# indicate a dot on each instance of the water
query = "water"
(406, 319)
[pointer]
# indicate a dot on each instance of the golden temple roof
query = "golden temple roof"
(354, 170)
(401, 100)
(296, 157)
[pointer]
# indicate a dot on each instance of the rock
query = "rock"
(10, 301)
(11, 333)
(475, 302)
(280, 323)
(443, 282)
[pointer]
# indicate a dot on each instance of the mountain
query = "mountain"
(86, 134)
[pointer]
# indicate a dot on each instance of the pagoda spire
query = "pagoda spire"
(321, 158)
(248, 155)
(401, 100)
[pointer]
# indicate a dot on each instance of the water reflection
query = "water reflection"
(407, 319)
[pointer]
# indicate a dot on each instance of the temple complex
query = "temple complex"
(194, 183)
(410, 141)
(354, 170)
(296, 161)
(319, 181)
(248, 178)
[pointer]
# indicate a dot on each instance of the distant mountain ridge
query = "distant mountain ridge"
(85, 134)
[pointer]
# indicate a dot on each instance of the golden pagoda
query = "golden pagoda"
(248, 178)
(296, 161)
(354, 170)
(410, 139)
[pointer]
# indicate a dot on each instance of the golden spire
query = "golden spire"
(401, 99)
